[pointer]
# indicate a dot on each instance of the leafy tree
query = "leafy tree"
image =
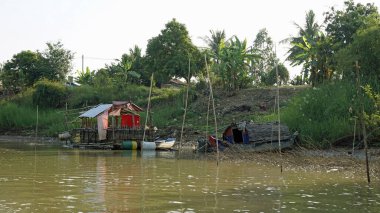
(365, 49)
(128, 69)
(137, 73)
(341, 25)
(27, 67)
(235, 64)
(263, 45)
(102, 78)
(56, 61)
(22, 70)
(297, 80)
(168, 54)
(85, 77)
(270, 78)
(132, 65)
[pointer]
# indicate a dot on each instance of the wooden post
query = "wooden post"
(353, 141)
(364, 132)
(37, 124)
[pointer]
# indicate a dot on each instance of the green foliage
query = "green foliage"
(85, 77)
(297, 80)
(168, 54)
(27, 67)
(56, 61)
(103, 78)
(22, 71)
(168, 106)
(341, 25)
(365, 49)
(270, 78)
(216, 43)
(373, 118)
(92, 95)
(22, 118)
(128, 69)
(49, 94)
(312, 49)
(321, 115)
(234, 66)
(263, 46)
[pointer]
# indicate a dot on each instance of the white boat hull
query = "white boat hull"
(165, 144)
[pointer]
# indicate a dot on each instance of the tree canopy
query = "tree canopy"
(341, 25)
(169, 53)
(27, 67)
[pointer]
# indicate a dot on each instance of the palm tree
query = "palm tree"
(303, 47)
(216, 43)
(235, 64)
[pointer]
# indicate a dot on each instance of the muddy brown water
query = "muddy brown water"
(49, 178)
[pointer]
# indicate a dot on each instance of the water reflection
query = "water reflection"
(51, 179)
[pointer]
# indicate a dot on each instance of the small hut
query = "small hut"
(250, 132)
(95, 123)
(125, 114)
(110, 122)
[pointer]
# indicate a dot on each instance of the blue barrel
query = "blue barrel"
(129, 145)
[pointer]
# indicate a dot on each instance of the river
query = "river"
(48, 178)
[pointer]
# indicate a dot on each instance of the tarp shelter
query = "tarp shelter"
(249, 132)
(101, 113)
(128, 112)
(236, 133)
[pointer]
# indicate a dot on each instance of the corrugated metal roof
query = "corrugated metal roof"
(92, 113)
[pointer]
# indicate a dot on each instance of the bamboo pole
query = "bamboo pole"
(66, 120)
(37, 124)
(213, 108)
(207, 117)
(147, 110)
(278, 113)
(184, 114)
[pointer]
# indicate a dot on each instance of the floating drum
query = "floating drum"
(148, 145)
(129, 145)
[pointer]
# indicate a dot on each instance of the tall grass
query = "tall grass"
(322, 115)
(23, 119)
(168, 106)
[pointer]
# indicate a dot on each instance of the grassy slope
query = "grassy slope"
(18, 116)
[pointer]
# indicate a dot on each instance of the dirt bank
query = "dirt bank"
(298, 159)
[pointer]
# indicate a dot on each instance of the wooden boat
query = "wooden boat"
(251, 136)
(164, 144)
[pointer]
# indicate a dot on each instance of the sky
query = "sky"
(103, 30)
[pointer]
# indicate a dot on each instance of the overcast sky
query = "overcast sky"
(102, 30)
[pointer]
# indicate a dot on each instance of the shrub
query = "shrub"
(49, 94)
(322, 115)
